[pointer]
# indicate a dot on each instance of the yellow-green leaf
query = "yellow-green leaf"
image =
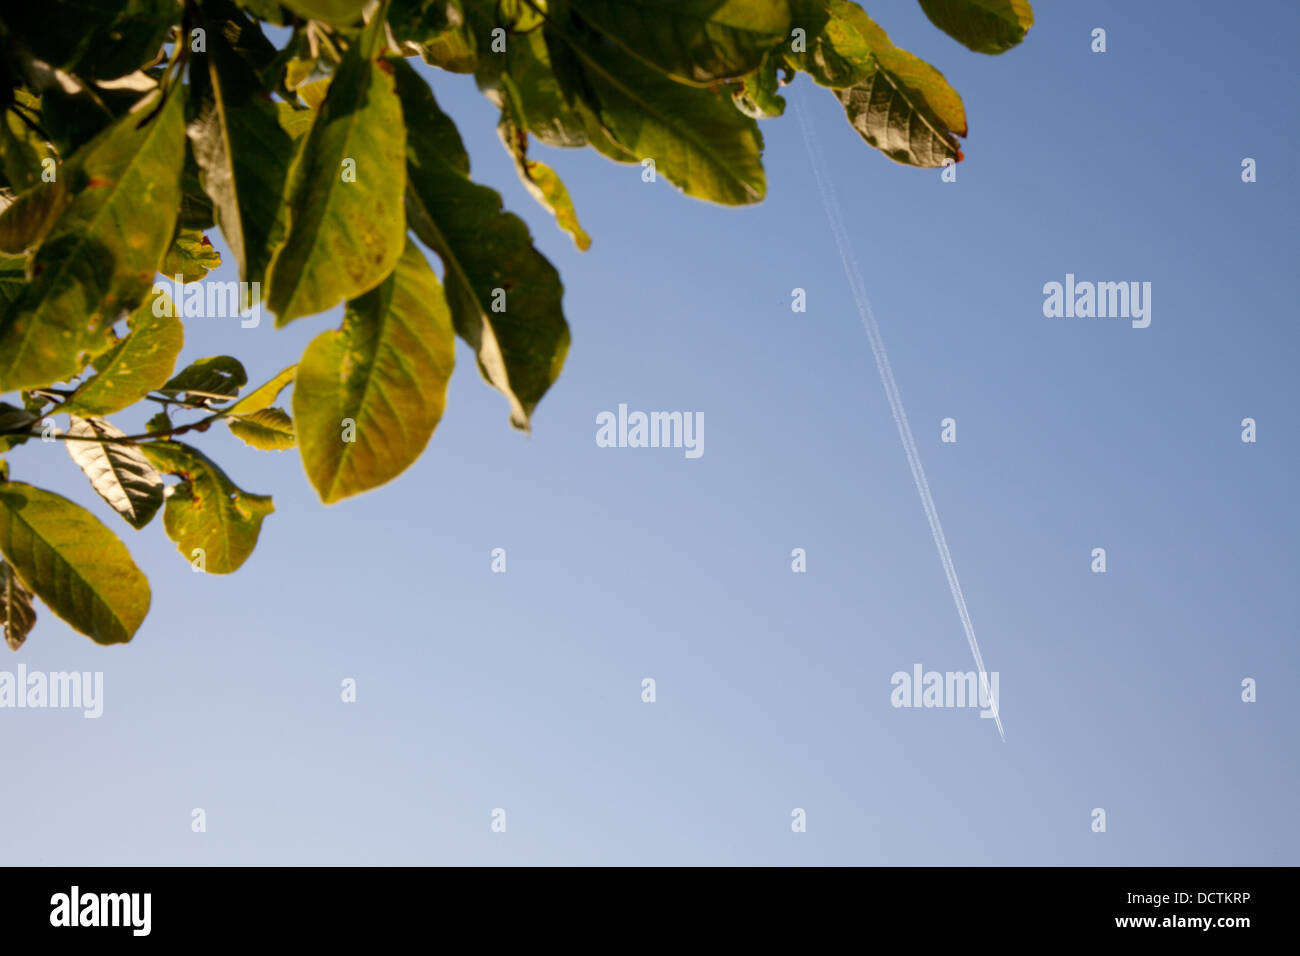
(694, 41)
(985, 26)
(340, 13)
(72, 562)
(698, 140)
(138, 364)
(213, 521)
(346, 227)
(100, 257)
(262, 396)
(269, 429)
(368, 396)
(192, 256)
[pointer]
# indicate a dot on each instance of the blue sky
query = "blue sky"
(522, 690)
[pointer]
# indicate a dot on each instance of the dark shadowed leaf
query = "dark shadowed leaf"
(97, 39)
(340, 13)
(22, 148)
(26, 220)
(694, 41)
(521, 349)
(216, 378)
(17, 613)
(242, 151)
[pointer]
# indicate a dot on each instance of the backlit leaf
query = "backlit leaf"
(72, 562)
(119, 473)
(264, 395)
(138, 364)
(985, 26)
(269, 429)
(385, 372)
(345, 228)
(100, 257)
(207, 511)
(192, 256)
(700, 142)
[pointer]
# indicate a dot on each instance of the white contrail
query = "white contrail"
(831, 204)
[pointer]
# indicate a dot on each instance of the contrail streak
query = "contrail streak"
(831, 204)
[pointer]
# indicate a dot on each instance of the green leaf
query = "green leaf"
(416, 21)
(897, 102)
(137, 365)
(269, 429)
(15, 426)
(436, 29)
(268, 10)
(264, 395)
(72, 562)
(26, 220)
(698, 140)
(756, 94)
(192, 256)
(344, 237)
(339, 13)
(523, 85)
(985, 26)
(159, 423)
(217, 378)
(13, 418)
(22, 148)
(100, 257)
(119, 473)
(693, 41)
(380, 380)
(549, 190)
(520, 350)
(542, 182)
(17, 613)
(13, 276)
(196, 208)
(207, 511)
(242, 151)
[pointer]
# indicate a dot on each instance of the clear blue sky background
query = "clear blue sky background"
(522, 690)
